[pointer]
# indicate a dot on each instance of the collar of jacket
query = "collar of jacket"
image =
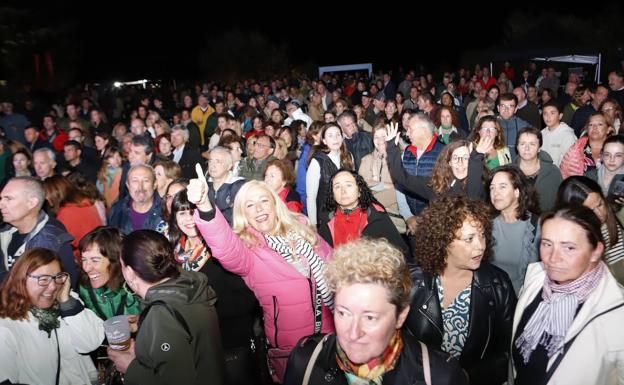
(411, 148)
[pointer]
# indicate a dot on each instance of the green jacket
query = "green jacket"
(250, 170)
(178, 342)
(108, 303)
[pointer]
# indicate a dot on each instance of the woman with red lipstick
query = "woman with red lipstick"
(279, 256)
(371, 284)
(461, 304)
(568, 324)
(515, 227)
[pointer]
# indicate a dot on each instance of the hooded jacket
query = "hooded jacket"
(49, 234)
(178, 339)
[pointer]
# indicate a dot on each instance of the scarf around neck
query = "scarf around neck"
(371, 372)
(48, 318)
(555, 313)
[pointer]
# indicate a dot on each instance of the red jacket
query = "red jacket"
(292, 199)
(59, 139)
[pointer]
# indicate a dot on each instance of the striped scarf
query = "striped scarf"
(293, 243)
(554, 315)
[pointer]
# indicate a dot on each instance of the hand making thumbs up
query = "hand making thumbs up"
(197, 190)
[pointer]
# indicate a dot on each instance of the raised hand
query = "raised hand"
(197, 190)
(392, 130)
(485, 145)
(63, 294)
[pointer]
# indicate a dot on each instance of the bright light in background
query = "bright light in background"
(142, 82)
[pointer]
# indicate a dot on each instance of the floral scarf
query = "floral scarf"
(49, 319)
(371, 373)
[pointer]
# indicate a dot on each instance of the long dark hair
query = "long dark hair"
(180, 203)
(575, 190)
(366, 195)
(345, 156)
(527, 201)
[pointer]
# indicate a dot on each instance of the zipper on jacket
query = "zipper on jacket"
(487, 341)
(275, 319)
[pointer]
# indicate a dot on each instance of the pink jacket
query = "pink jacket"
(284, 294)
(574, 162)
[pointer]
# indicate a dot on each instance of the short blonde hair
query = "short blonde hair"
(371, 261)
(286, 219)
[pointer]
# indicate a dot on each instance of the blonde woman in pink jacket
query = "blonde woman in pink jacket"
(278, 255)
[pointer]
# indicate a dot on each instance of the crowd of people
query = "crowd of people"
(350, 229)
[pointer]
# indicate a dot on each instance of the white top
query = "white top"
(313, 177)
(558, 141)
(214, 141)
(28, 356)
(177, 153)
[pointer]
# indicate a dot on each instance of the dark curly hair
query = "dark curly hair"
(438, 225)
(366, 195)
(527, 201)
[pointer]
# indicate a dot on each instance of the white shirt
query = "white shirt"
(177, 153)
(28, 356)
(558, 141)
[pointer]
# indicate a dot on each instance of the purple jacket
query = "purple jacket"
(283, 292)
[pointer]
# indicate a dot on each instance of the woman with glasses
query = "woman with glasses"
(613, 112)
(457, 171)
(489, 127)
(45, 330)
(610, 173)
(540, 173)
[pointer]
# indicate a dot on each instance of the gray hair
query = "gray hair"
(32, 188)
(424, 119)
(144, 167)
(47, 150)
(226, 151)
(185, 131)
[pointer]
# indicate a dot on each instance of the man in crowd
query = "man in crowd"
(222, 184)
(183, 154)
(141, 209)
(52, 134)
(200, 115)
(359, 143)
(141, 152)
(508, 120)
(13, 123)
(581, 115)
(252, 168)
(44, 162)
(28, 226)
(75, 162)
(526, 110)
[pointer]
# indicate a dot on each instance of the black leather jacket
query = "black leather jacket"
(408, 369)
(492, 303)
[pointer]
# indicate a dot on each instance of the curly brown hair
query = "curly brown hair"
(438, 225)
(442, 175)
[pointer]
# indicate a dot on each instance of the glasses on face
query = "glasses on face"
(488, 129)
(460, 159)
(608, 109)
(261, 145)
(616, 156)
(506, 106)
(45, 280)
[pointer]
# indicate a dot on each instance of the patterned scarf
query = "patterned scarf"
(371, 373)
(291, 244)
(554, 315)
(190, 259)
(48, 318)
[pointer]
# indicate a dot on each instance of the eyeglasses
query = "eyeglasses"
(460, 159)
(488, 129)
(616, 156)
(507, 106)
(45, 280)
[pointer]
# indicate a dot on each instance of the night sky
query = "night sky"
(126, 41)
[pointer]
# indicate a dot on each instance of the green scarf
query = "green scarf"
(49, 319)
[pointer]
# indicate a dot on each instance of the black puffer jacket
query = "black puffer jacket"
(408, 370)
(492, 303)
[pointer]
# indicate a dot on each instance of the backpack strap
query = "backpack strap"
(425, 362)
(312, 361)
